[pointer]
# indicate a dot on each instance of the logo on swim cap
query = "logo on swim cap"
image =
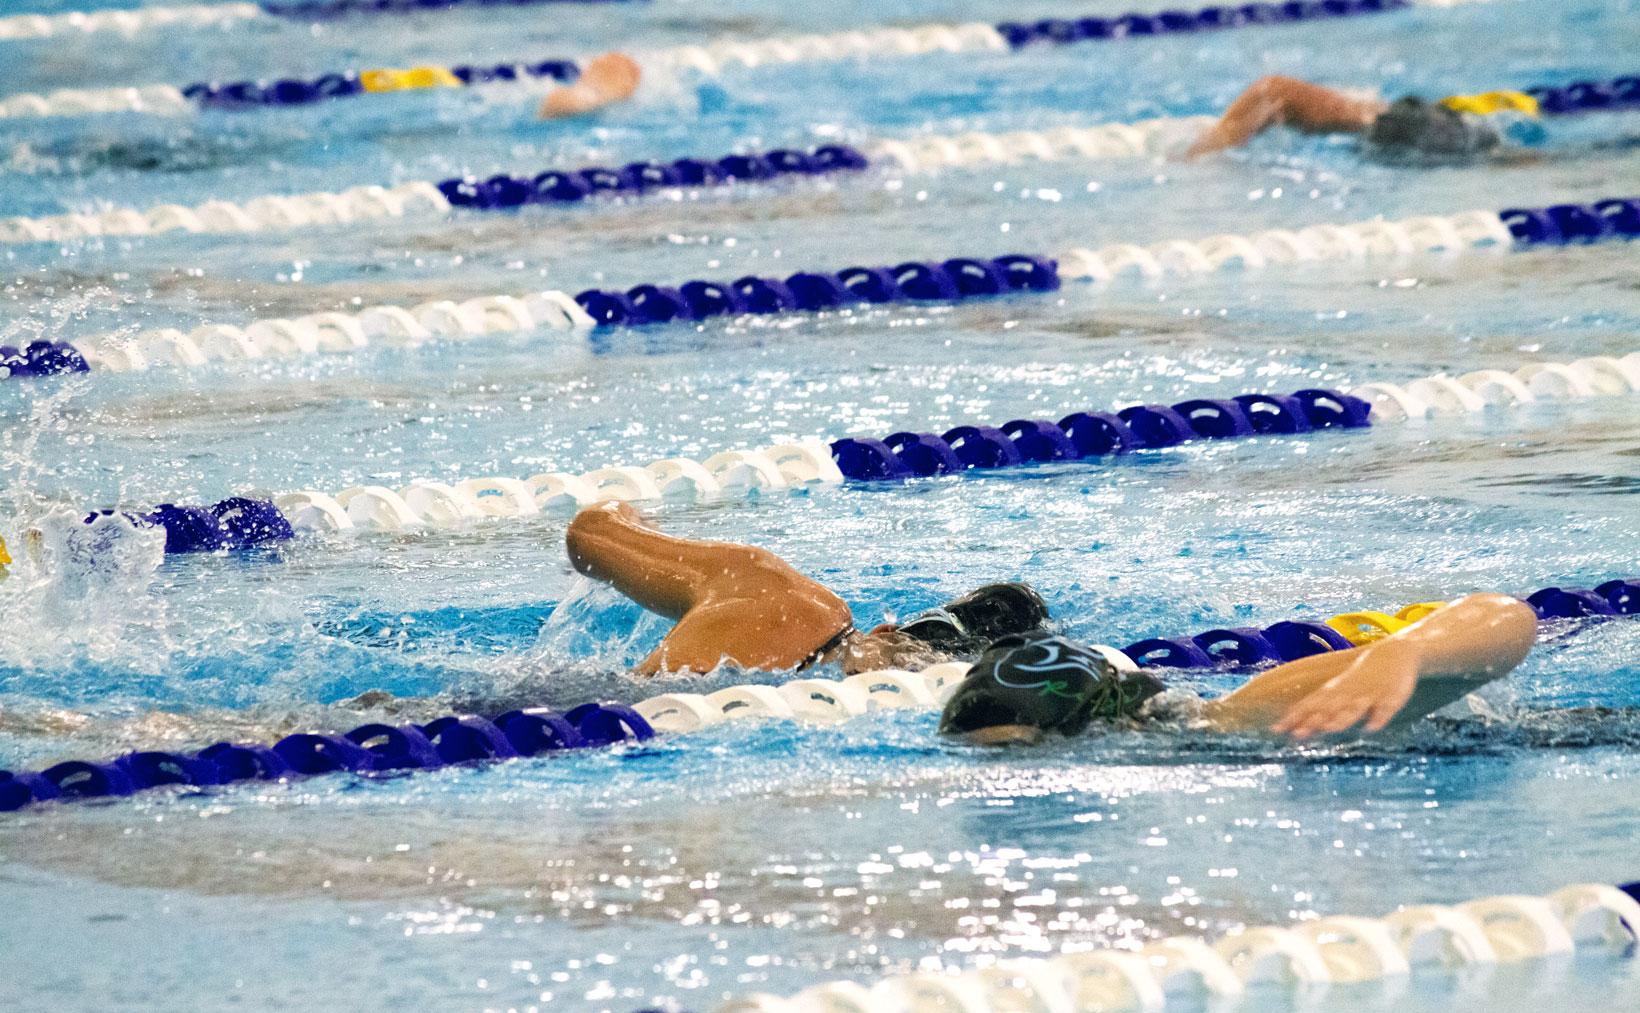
(1049, 665)
(1044, 682)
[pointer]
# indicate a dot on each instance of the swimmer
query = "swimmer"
(5, 560)
(748, 607)
(1410, 126)
(604, 81)
(1025, 687)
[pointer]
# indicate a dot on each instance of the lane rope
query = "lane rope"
(319, 10)
(953, 280)
(427, 199)
(921, 153)
(369, 749)
(130, 22)
(18, 27)
(949, 281)
(151, 99)
(1241, 647)
(209, 15)
(713, 59)
(346, 84)
(271, 212)
(1188, 970)
(905, 455)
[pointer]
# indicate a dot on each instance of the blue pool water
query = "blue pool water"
(771, 856)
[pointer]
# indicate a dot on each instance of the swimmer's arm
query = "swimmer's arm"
(685, 650)
(611, 542)
(605, 80)
(674, 577)
(751, 633)
(1276, 100)
(1430, 663)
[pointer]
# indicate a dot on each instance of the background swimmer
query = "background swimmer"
(1026, 686)
(1408, 126)
(605, 80)
(746, 606)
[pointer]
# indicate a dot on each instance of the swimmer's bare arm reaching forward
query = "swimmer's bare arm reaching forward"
(1275, 101)
(733, 603)
(604, 81)
(1399, 679)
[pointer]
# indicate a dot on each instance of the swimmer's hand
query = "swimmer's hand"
(605, 80)
(885, 647)
(1373, 689)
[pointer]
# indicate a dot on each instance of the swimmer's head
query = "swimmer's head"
(5, 557)
(963, 627)
(978, 618)
(1027, 685)
(1415, 127)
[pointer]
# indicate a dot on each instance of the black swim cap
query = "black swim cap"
(1413, 126)
(979, 617)
(1043, 682)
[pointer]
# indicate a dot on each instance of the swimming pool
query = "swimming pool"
(770, 856)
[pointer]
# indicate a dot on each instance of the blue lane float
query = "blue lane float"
(907, 454)
(1243, 647)
(42, 358)
(808, 291)
(370, 749)
(1617, 94)
(238, 522)
(1064, 32)
(1563, 224)
(571, 186)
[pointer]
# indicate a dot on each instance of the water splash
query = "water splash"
(81, 584)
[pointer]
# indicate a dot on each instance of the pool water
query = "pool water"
(773, 856)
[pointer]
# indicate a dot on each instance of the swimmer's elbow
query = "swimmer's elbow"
(1515, 621)
(1274, 86)
(582, 537)
(1505, 625)
(598, 530)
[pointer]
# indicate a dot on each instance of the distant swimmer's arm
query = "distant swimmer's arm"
(605, 80)
(1429, 665)
(1276, 101)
